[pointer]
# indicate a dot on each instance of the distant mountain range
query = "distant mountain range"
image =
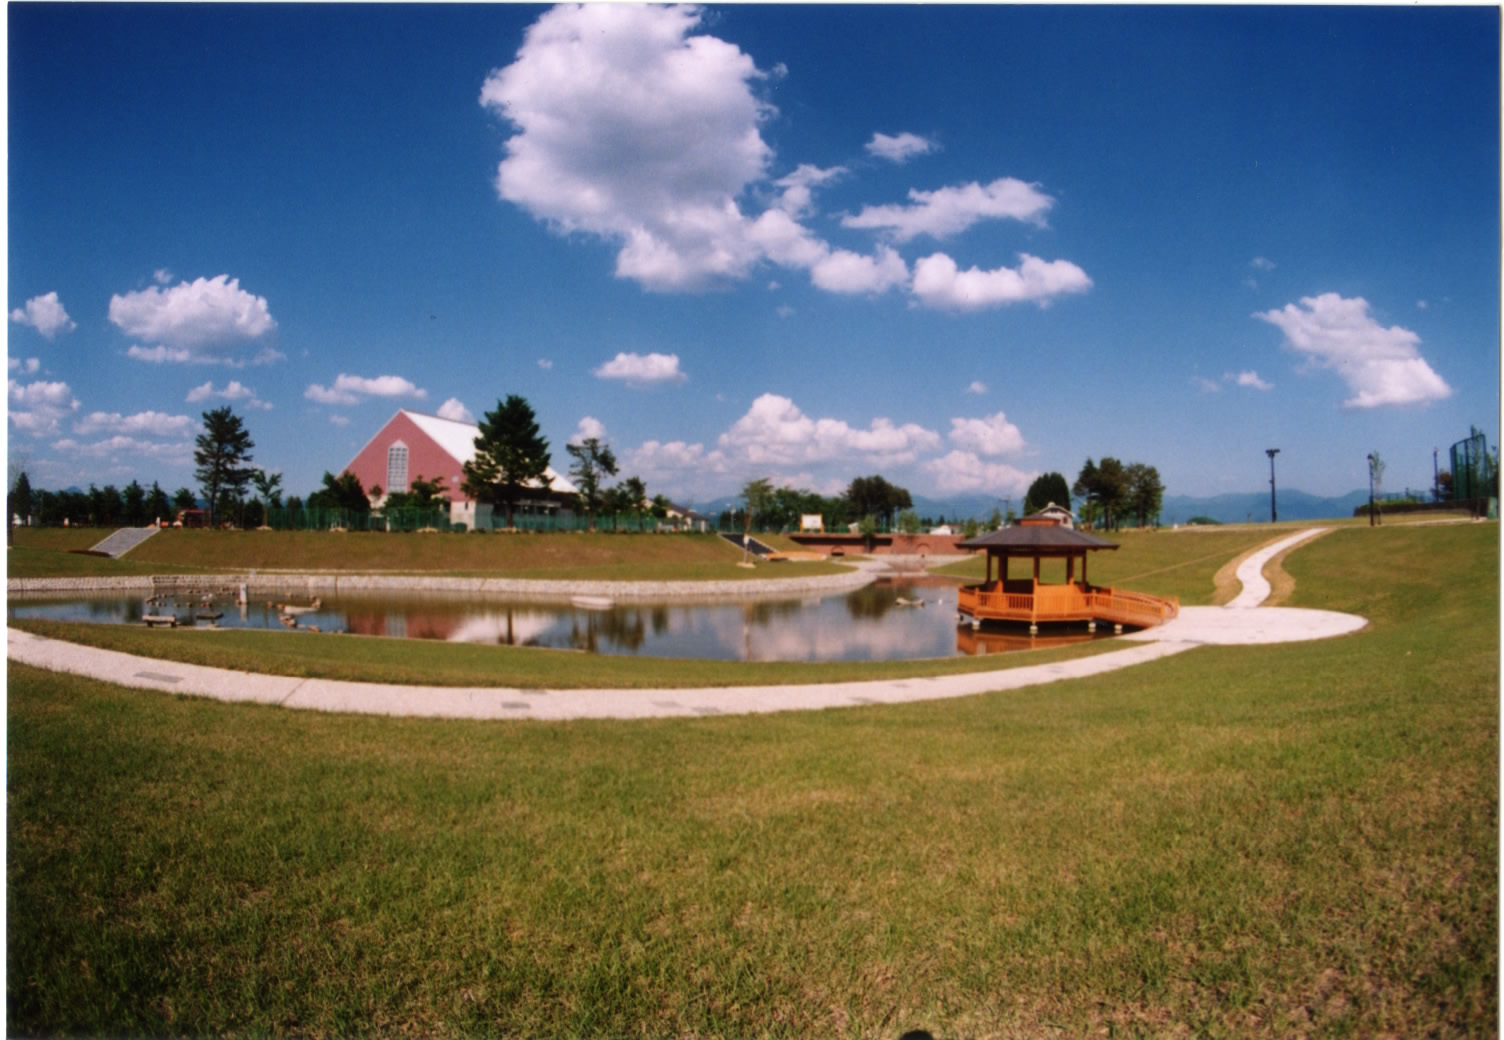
(1234, 508)
(1238, 508)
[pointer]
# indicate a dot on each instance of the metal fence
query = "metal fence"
(1472, 468)
(349, 520)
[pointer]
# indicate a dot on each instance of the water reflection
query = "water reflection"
(908, 618)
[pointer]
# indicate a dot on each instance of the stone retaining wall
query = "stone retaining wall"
(501, 588)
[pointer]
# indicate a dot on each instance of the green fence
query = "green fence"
(349, 520)
(634, 522)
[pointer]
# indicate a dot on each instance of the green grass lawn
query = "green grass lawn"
(1263, 841)
(1160, 562)
(434, 663)
(602, 556)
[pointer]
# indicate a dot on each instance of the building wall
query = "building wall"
(424, 459)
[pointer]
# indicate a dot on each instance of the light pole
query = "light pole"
(1436, 474)
(1273, 510)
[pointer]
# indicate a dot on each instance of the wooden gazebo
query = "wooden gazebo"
(1027, 600)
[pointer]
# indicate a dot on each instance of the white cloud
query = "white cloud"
(208, 319)
(29, 367)
(339, 420)
(348, 389)
(1260, 263)
(775, 432)
(159, 355)
(162, 276)
(46, 314)
(785, 241)
(798, 187)
(150, 424)
(1381, 366)
(545, 364)
(1205, 385)
(1249, 379)
(964, 471)
(454, 409)
(678, 468)
(588, 427)
(939, 283)
(852, 273)
(899, 148)
(950, 211)
(976, 386)
(642, 369)
(654, 458)
(234, 391)
(127, 448)
(994, 435)
(632, 125)
(631, 128)
(37, 408)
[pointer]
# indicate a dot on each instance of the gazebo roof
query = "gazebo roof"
(1037, 539)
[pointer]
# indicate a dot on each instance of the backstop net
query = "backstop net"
(1472, 469)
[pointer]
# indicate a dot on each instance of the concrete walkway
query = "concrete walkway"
(1236, 623)
(124, 540)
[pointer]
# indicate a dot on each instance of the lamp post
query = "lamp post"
(1273, 509)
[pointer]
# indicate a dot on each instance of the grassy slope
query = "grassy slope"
(1262, 841)
(600, 556)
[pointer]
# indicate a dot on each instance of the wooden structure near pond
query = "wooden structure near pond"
(1004, 598)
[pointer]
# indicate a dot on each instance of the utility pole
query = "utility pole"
(1435, 474)
(1273, 508)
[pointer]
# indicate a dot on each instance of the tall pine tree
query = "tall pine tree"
(511, 455)
(222, 456)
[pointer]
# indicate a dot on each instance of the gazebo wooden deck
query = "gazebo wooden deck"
(1032, 602)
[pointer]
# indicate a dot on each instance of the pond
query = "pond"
(889, 620)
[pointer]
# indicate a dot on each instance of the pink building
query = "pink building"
(414, 446)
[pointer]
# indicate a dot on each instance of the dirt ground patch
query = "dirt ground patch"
(1281, 585)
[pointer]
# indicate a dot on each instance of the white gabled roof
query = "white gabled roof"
(458, 440)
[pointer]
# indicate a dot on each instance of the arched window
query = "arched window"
(396, 467)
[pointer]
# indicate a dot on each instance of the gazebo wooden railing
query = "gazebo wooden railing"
(1056, 603)
(1045, 538)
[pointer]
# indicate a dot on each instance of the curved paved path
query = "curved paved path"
(1236, 623)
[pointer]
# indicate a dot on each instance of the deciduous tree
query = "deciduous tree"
(341, 492)
(758, 494)
(1104, 489)
(1146, 492)
(1047, 488)
(874, 496)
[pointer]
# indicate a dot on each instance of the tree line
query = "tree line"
(1113, 493)
(511, 461)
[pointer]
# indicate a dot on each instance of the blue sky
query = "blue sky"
(957, 246)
